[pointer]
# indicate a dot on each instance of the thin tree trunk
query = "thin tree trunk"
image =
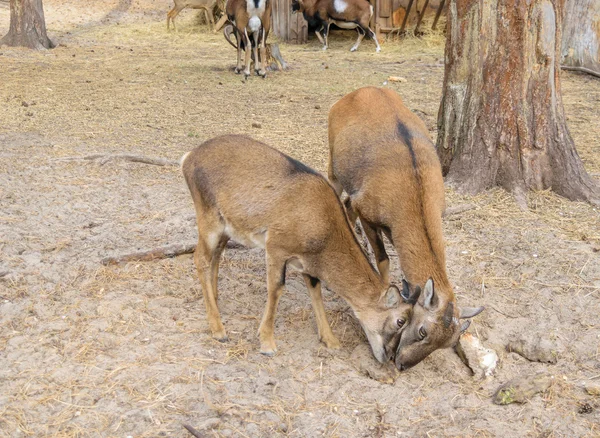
(27, 25)
(501, 120)
(581, 35)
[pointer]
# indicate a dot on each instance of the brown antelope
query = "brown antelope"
(382, 156)
(252, 16)
(272, 50)
(346, 14)
(247, 191)
(207, 5)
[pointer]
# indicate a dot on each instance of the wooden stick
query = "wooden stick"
(193, 431)
(105, 158)
(459, 209)
(438, 13)
(581, 69)
(421, 15)
(164, 252)
(401, 31)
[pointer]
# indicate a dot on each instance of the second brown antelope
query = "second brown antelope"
(382, 156)
(244, 190)
(250, 17)
(346, 14)
(207, 5)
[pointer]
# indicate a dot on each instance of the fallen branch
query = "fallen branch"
(459, 209)
(581, 69)
(164, 252)
(105, 158)
(193, 431)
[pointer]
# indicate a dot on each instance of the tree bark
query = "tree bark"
(581, 35)
(501, 120)
(27, 25)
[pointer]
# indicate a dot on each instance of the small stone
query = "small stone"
(532, 347)
(363, 360)
(256, 125)
(481, 360)
(522, 389)
(592, 388)
(397, 79)
(317, 106)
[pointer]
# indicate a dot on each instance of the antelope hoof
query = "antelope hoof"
(331, 342)
(262, 73)
(267, 345)
(246, 74)
(221, 336)
(378, 49)
(353, 49)
(268, 349)
(238, 70)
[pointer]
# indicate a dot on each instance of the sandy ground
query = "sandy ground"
(88, 350)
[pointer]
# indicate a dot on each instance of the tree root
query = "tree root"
(581, 69)
(457, 209)
(164, 252)
(193, 431)
(105, 158)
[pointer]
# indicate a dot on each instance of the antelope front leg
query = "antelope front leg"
(263, 56)
(248, 54)
(257, 61)
(238, 67)
(325, 334)
(374, 37)
(320, 37)
(327, 35)
(361, 35)
(275, 283)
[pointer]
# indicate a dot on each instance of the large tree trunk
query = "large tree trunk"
(581, 35)
(27, 25)
(501, 120)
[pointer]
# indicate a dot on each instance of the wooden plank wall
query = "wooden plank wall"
(291, 28)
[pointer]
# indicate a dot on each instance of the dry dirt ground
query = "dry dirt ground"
(88, 350)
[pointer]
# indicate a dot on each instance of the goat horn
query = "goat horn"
(448, 315)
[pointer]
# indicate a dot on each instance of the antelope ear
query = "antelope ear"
(392, 297)
(470, 312)
(428, 294)
(465, 325)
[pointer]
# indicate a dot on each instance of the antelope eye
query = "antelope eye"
(400, 322)
(422, 332)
